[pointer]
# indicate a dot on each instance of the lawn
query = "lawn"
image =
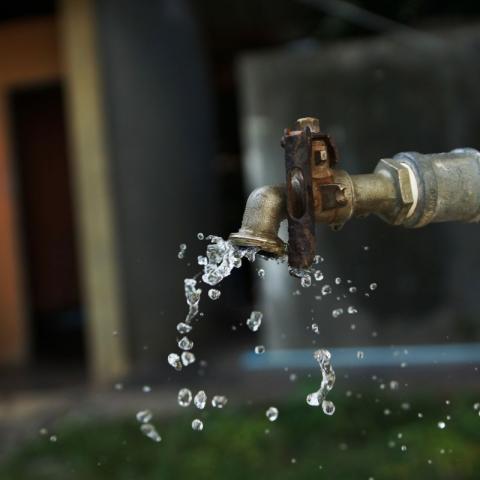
(359, 441)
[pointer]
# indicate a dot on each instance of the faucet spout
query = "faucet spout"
(264, 212)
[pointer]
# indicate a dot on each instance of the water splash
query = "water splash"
(318, 398)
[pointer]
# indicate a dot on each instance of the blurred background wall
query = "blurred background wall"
(125, 129)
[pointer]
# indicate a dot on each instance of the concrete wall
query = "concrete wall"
(161, 141)
(376, 97)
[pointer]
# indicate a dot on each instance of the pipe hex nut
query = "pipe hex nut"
(398, 173)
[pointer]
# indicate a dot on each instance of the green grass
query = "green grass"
(352, 444)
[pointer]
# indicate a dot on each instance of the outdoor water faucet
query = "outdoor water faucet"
(410, 189)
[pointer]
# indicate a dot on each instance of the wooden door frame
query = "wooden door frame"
(45, 50)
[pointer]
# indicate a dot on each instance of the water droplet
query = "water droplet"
(387, 412)
(352, 310)
(197, 425)
(315, 328)
(352, 289)
(328, 407)
(188, 358)
(192, 296)
(53, 438)
(219, 401)
(182, 249)
(174, 361)
(118, 386)
(306, 281)
(292, 377)
(261, 273)
(183, 328)
(200, 236)
(394, 385)
(403, 448)
(337, 312)
(403, 364)
(360, 355)
(144, 416)
(214, 294)
(313, 399)
(338, 281)
(259, 349)
(185, 343)
(254, 321)
(146, 389)
(200, 400)
(366, 248)
(420, 415)
(317, 259)
(184, 397)
(405, 406)
(272, 413)
(353, 326)
(43, 431)
(328, 380)
(441, 425)
(201, 260)
(373, 286)
(149, 431)
(318, 275)
(326, 290)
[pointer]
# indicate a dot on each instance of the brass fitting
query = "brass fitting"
(409, 189)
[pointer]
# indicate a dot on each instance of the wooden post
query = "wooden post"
(92, 190)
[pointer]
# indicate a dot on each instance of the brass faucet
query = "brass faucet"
(410, 189)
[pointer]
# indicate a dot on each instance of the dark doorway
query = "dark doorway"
(48, 226)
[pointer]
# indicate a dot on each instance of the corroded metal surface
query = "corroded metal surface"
(410, 189)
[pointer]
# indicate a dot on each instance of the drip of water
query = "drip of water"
(188, 358)
(184, 328)
(150, 431)
(328, 380)
(214, 294)
(144, 416)
(219, 401)
(174, 361)
(259, 349)
(184, 397)
(254, 321)
(182, 250)
(197, 425)
(192, 295)
(185, 343)
(272, 413)
(200, 400)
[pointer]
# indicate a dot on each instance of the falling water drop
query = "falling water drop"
(149, 431)
(254, 321)
(197, 425)
(272, 413)
(214, 294)
(144, 416)
(200, 400)
(184, 397)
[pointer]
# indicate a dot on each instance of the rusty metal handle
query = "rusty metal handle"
(300, 204)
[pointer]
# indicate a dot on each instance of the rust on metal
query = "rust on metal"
(300, 205)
